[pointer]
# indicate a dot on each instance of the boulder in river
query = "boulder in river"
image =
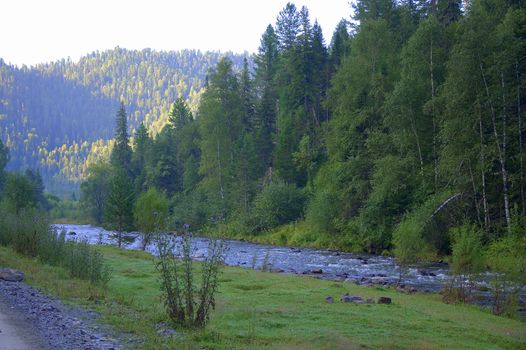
(11, 275)
(384, 300)
(426, 273)
(317, 271)
(72, 233)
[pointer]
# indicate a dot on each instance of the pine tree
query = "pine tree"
(118, 211)
(180, 115)
(265, 118)
(142, 149)
(288, 27)
(340, 45)
(121, 153)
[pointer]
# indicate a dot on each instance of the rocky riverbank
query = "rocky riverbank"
(56, 325)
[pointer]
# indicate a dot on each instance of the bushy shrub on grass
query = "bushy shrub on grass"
(186, 303)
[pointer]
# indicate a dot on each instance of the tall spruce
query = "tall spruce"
(266, 107)
(122, 152)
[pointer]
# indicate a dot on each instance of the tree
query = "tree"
(340, 45)
(150, 213)
(412, 112)
(142, 149)
(19, 192)
(36, 178)
(118, 211)
(180, 115)
(358, 142)
(220, 127)
(122, 152)
(301, 79)
(4, 159)
(164, 171)
(95, 190)
(265, 124)
(288, 27)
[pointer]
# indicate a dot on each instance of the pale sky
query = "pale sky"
(36, 31)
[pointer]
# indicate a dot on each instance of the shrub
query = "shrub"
(150, 212)
(189, 208)
(277, 204)
(467, 262)
(409, 245)
(19, 192)
(29, 233)
(507, 260)
(187, 304)
(321, 213)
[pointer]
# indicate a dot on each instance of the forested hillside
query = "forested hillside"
(405, 131)
(56, 116)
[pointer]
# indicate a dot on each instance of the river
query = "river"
(332, 265)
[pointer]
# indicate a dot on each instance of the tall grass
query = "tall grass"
(29, 233)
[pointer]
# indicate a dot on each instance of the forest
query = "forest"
(58, 117)
(402, 134)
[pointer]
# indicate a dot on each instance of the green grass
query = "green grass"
(298, 234)
(257, 310)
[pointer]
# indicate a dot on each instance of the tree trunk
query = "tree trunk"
(417, 139)
(483, 174)
(435, 156)
(501, 150)
(521, 147)
(477, 206)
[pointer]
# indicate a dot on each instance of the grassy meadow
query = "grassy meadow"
(258, 310)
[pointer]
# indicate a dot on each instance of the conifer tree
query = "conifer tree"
(141, 152)
(119, 204)
(265, 118)
(121, 153)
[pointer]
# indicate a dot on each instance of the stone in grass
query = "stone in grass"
(165, 330)
(329, 299)
(384, 300)
(346, 298)
(11, 275)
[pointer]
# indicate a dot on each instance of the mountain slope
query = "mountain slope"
(60, 116)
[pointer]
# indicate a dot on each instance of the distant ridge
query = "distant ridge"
(59, 116)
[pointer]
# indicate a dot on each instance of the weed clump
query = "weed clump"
(187, 303)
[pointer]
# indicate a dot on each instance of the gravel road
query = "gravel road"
(31, 320)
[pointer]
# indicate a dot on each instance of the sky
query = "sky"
(37, 31)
